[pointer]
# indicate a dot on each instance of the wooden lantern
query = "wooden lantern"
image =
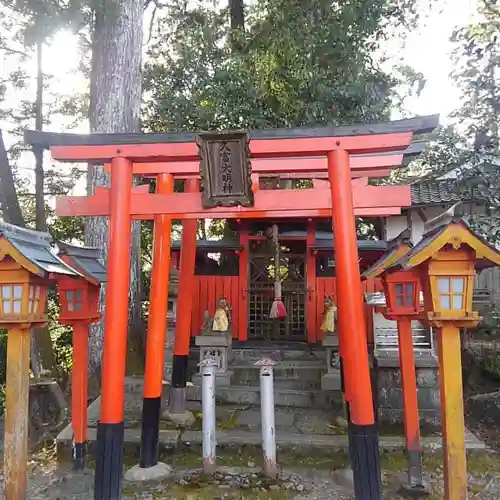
(22, 297)
(27, 263)
(402, 292)
(79, 300)
(403, 304)
(80, 297)
(448, 282)
(446, 259)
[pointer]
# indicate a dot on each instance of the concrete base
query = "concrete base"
(331, 382)
(138, 474)
(341, 422)
(414, 491)
(185, 419)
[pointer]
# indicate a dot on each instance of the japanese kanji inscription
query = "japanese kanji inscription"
(225, 169)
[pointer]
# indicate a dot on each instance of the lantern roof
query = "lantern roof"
(85, 260)
(397, 248)
(446, 230)
(32, 249)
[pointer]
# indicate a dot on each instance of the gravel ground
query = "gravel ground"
(50, 479)
(311, 479)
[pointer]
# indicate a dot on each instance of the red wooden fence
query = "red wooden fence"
(210, 288)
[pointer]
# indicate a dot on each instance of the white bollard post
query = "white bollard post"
(208, 366)
(267, 416)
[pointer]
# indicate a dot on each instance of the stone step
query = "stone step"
(287, 393)
(301, 420)
(304, 373)
(171, 439)
(293, 385)
(282, 397)
(278, 353)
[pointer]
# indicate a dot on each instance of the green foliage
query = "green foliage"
(477, 57)
(469, 148)
(61, 336)
(489, 323)
(298, 64)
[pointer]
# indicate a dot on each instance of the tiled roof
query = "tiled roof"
(437, 192)
(36, 247)
(85, 260)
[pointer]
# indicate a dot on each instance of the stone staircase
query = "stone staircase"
(305, 416)
(297, 378)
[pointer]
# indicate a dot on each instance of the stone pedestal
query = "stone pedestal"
(389, 394)
(219, 346)
(168, 355)
(331, 381)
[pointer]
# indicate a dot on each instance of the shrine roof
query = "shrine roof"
(35, 246)
(211, 245)
(85, 260)
(324, 241)
(327, 244)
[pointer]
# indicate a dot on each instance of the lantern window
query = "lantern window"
(451, 293)
(75, 300)
(34, 299)
(404, 293)
(12, 296)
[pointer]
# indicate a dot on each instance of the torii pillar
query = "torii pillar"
(353, 349)
(110, 429)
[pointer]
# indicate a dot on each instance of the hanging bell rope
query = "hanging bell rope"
(278, 310)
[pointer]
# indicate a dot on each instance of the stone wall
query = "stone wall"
(389, 396)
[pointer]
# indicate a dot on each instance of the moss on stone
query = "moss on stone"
(229, 423)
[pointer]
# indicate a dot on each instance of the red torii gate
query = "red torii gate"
(147, 155)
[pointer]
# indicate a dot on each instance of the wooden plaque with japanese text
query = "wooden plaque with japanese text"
(225, 169)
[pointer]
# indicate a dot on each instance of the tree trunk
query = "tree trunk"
(237, 16)
(114, 107)
(8, 195)
(237, 12)
(43, 358)
(40, 215)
